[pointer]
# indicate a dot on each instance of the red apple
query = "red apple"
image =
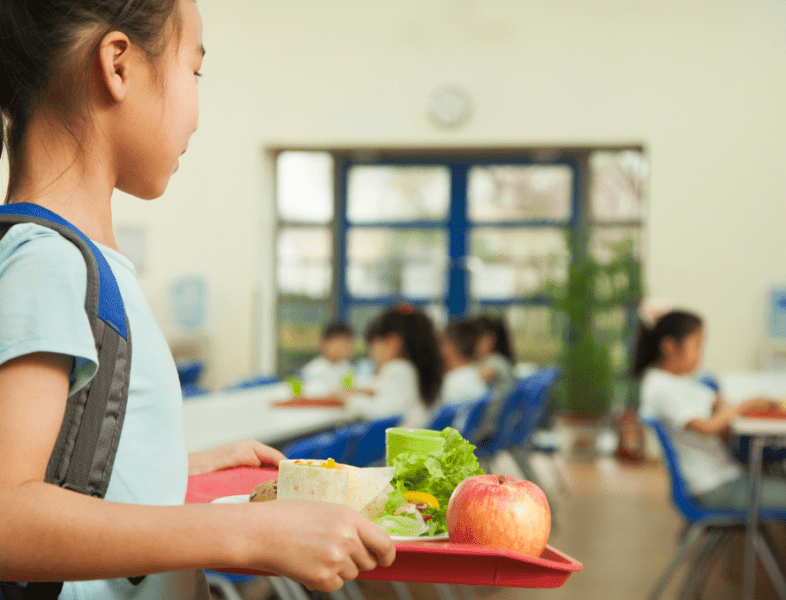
(499, 511)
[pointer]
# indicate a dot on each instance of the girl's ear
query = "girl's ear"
(114, 56)
(397, 344)
(668, 347)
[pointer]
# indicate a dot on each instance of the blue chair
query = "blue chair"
(252, 382)
(321, 446)
(532, 409)
(189, 372)
(190, 390)
(714, 525)
(510, 415)
(469, 417)
(444, 417)
(370, 446)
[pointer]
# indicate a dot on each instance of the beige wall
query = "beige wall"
(699, 83)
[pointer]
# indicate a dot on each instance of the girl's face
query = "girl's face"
(165, 113)
(387, 348)
(684, 357)
(485, 345)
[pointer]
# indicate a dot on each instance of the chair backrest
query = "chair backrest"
(370, 446)
(536, 388)
(319, 446)
(469, 416)
(684, 502)
(444, 417)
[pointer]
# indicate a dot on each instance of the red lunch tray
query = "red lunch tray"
(425, 562)
(309, 402)
(766, 414)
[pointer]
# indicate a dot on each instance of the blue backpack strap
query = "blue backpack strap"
(86, 445)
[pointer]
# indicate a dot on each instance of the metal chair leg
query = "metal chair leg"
(445, 591)
(353, 591)
(226, 587)
(401, 590)
(708, 545)
(771, 565)
(691, 536)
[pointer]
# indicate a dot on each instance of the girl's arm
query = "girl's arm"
(242, 453)
(50, 534)
(723, 414)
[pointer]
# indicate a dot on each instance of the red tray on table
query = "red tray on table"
(766, 414)
(426, 562)
(309, 403)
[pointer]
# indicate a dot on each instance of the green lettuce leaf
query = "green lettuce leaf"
(436, 473)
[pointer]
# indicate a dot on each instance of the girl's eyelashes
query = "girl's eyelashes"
(198, 74)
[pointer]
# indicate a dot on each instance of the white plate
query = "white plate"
(240, 499)
(442, 537)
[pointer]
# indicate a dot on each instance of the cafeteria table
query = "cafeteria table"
(230, 415)
(763, 432)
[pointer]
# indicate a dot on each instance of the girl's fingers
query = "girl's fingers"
(378, 543)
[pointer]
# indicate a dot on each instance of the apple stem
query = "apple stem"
(501, 479)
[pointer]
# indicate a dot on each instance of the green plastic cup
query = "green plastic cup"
(296, 385)
(403, 439)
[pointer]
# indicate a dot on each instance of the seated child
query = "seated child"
(494, 353)
(462, 382)
(325, 374)
(667, 352)
(403, 344)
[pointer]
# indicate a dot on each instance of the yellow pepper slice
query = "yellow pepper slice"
(421, 497)
(331, 464)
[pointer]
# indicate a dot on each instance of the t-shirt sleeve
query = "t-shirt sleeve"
(43, 280)
(678, 400)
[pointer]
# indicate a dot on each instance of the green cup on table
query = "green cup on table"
(296, 385)
(419, 441)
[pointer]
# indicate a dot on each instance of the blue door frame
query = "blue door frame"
(458, 227)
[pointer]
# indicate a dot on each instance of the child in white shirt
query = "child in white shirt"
(326, 373)
(462, 382)
(403, 344)
(697, 418)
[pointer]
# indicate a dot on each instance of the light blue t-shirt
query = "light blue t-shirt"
(43, 280)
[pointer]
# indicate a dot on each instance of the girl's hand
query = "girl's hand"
(241, 453)
(318, 544)
(761, 403)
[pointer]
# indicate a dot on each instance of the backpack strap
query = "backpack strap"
(86, 445)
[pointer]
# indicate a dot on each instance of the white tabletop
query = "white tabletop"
(758, 427)
(736, 387)
(222, 417)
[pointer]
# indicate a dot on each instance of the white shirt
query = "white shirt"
(676, 400)
(462, 385)
(322, 377)
(396, 391)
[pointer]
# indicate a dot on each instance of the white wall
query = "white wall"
(700, 83)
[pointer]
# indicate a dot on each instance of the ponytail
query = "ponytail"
(420, 345)
(675, 324)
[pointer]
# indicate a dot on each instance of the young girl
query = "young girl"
(404, 346)
(97, 96)
(494, 353)
(462, 382)
(667, 351)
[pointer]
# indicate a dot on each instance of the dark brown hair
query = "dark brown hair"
(496, 326)
(676, 324)
(464, 335)
(420, 342)
(45, 48)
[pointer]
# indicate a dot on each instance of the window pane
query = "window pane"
(392, 193)
(300, 322)
(304, 264)
(520, 193)
(408, 262)
(304, 187)
(617, 185)
(507, 263)
(610, 244)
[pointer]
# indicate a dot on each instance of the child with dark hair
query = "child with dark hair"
(494, 353)
(97, 96)
(325, 374)
(462, 382)
(403, 344)
(668, 350)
